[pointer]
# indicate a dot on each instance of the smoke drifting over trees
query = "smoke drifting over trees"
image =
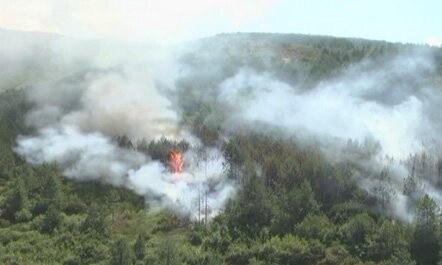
(297, 150)
(373, 112)
(388, 107)
(380, 113)
(78, 117)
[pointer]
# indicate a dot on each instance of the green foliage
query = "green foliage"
(167, 252)
(52, 220)
(74, 205)
(139, 248)
(402, 256)
(294, 205)
(338, 255)
(121, 253)
(355, 232)
(238, 254)
(195, 236)
(218, 241)
(15, 207)
(251, 211)
(289, 250)
(166, 223)
(317, 227)
(91, 251)
(94, 221)
(384, 243)
(425, 245)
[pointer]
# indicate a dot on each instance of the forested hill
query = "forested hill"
(294, 203)
(295, 57)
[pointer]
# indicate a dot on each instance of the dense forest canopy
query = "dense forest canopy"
(298, 150)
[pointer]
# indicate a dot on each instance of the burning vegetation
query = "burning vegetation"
(175, 161)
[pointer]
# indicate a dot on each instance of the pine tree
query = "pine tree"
(121, 253)
(252, 210)
(95, 220)
(53, 191)
(140, 247)
(51, 220)
(17, 202)
(425, 244)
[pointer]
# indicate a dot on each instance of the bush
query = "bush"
(39, 208)
(23, 215)
(72, 261)
(51, 220)
(75, 207)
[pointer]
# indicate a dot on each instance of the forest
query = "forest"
(296, 199)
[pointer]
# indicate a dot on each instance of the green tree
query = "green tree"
(252, 210)
(52, 219)
(140, 247)
(121, 253)
(316, 227)
(217, 240)
(402, 256)
(356, 231)
(53, 191)
(425, 244)
(234, 156)
(239, 254)
(167, 253)
(17, 203)
(294, 206)
(289, 173)
(386, 239)
(95, 220)
(91, 250)
(289, 250)
(383, 189)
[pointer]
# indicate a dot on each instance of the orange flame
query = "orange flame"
(175, 161)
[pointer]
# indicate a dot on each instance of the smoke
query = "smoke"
(388, 108)
(119, 92)
(201, 185)
(368, 114)
(94, 156)
(362, 104)
(83, 156)
(121, 102)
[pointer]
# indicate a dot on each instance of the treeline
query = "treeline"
(299, 60)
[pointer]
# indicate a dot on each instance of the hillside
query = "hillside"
(278, 119)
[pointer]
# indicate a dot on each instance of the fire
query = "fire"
(175, 161)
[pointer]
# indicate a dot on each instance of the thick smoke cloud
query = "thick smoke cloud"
(119, 102)
(201, 184)
(94, 156)
(362, 104)
(119, 92)
(387, 108)
(84, 156)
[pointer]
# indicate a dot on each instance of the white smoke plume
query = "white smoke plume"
(94, 156)
(119, 92)
(361, 104)
(123, 102)
(201, 185)
(83, 156)
(388, 107)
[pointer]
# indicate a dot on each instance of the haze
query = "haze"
(173, 21)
